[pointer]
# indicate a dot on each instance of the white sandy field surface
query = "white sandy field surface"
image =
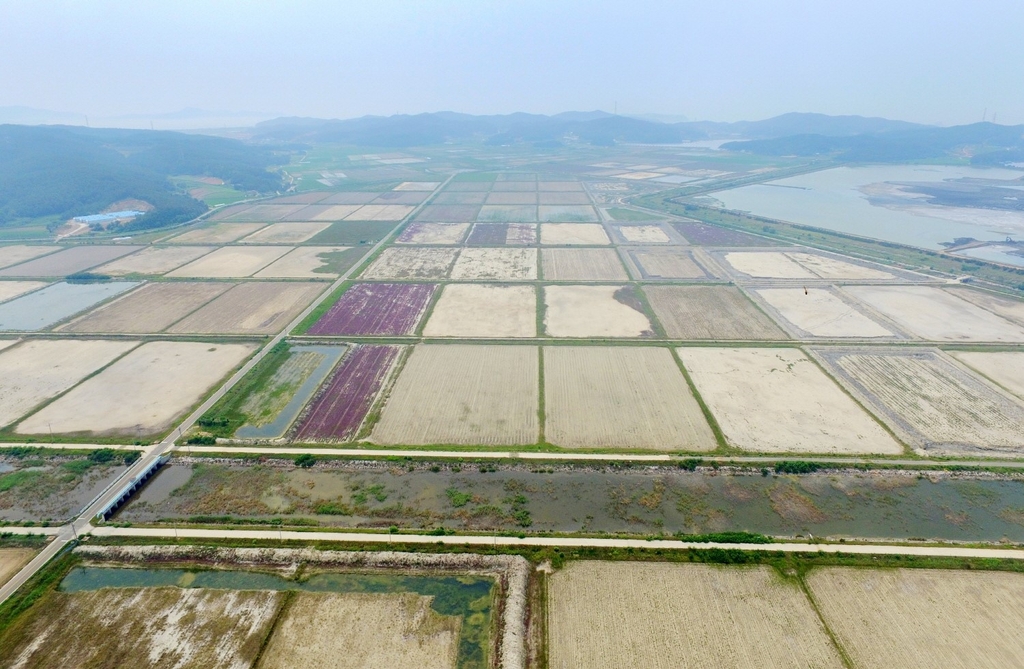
(434, 233)
(767, 265)
(484, 310)
(286, 233)
(776, 400)
(668, 264)
(496, 264)
(154, 260)
(582, 265)
(650, 234)
(411, 263)
(16, 253)
(832, 268)
(1004, 367)
(666, 616)
(820, 313)
(584, 234)
(143, 392)
(591, 311)
(219, 233)
(231, 262)
(1002, 306)
(301, 263)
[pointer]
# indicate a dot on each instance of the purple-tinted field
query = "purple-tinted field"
(710, 235)
(488, 234)
(339, 409)
(384, 309)
(448, 213)
(402, 197)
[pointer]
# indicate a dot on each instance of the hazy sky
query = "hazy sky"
(934, 61)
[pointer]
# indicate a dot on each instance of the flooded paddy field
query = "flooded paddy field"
(639, 500)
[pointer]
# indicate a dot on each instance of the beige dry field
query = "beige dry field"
(336, 212)
(484, 310)
(1002, 306)
(12, 255)
(936, 315)
(638, 175)
(932, 403)
(645, 234)
(521, 234)
(147, 627)
(496, 264)
(1004, 367)
(832, 268)
(12, 560)
(511, 198)
(778, 401)
(71, 260)
(585, 234)
(142, 393)
(820, 313)
(220, 233)
(668, 264)
(709, 312)
(435, 233)
(12, 289)
(262, 212)
(592, 311)
(910, 618)
(356, 630)
(286, 233)
(620, 397)
(301, 263)
(154, 260)
(666, 616)
(149, 309)
(231, 262)
(380, 212)
(583, 265)
(767, 265)
(261, 308)
(7, 343)
(40, 369)
(411, 263)
(417, 185)
(463, 394)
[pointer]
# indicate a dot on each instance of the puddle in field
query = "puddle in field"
(637, 500)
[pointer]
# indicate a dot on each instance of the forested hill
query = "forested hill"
(68, 171)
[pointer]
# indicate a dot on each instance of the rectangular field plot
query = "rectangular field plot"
(310, 262)
(923, 617)
(620, 397)
(594, 311)
(582, 265)
(819, 312)
(41, 369)
(580, 234)
(12, 289)
(261, 308)
(561, 198)
(710, 235)
(461, 394)
(43, 308)
(468, 187)
(286, 233)
(219, 233)
(417, 185)
(936, 315)
(449, 197)
(341, 405)
(566, 213)
(521, 234)
(1012, 310)
(643, 234)
(488, 234)
(930, 402)
(484, 310)
(1004, 367)
(666, 264)
(155, 260)
(376, 309)
(258, 212)
(709, 312)
(508, 213)
(309, 197)
(511, 198)
(433, 233)
(152, 308)
(767, 265)
(18, 253)
(662, 615)
(232, 262)
(351, 197)
(380, 212)
(560, 186)
(411, 263)
(68, 261)
(352, 233)
(399, 197)
(828, 267)
(496, 265)
(448, 213)
(142, 393)
(326, 213)
(779, 401)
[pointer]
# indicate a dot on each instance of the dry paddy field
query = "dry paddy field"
(620, 397)
(219, 233)
(335, 212)
(258, 308)
(41, 369)
(12, 560)
(411, 263)
(578, 212)
(154, 260)
(665, 616)
(152, 308)
(333, 630)
(1004, 367)
(573, 234)
(511, 198)
(767, 265)
(911, 618)
(1007, 308)
(145, 627)
(582, 265)
(18, 253)
(828, 267)
(709, 312)
(666, 264)
(12, 289)
(304, 262)
(508, 213)
(462, 394)
(231, 262)
(779, 401)
(68, 261)
(819, 312)
(142, 393)
(484, 310)
(500, 264)
(286, 233)
(937, 315)
(259, 212)
(563, 198)
(380, 212)
(433, 233)
(643, 234)
(934, 404)
(594, 311)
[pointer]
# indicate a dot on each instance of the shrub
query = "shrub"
(796, 467)
(305, 460)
